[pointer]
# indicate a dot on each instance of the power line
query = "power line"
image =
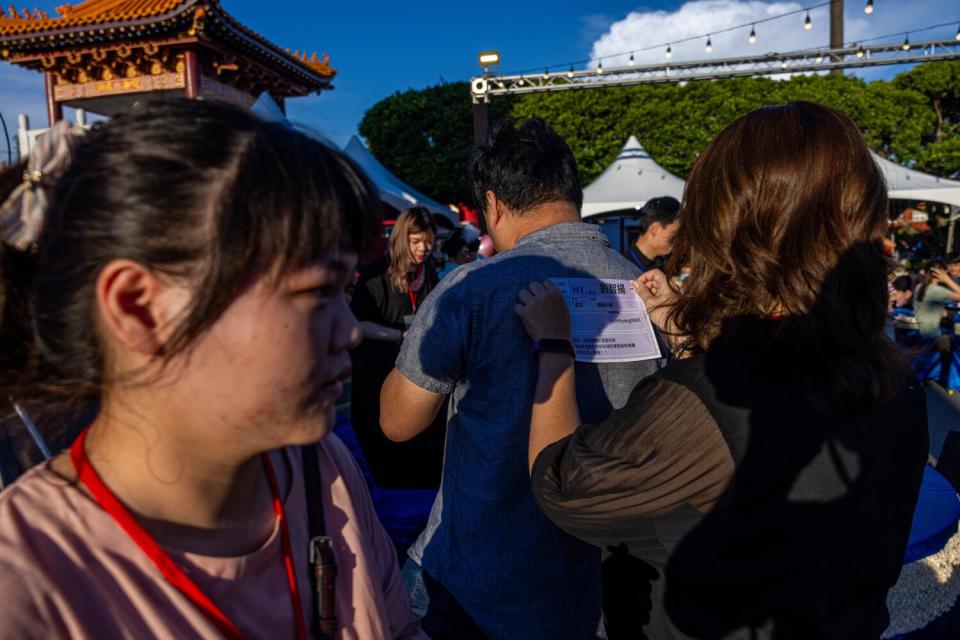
(901, 33)
(752, 23)
(806, 61)
(709, 36)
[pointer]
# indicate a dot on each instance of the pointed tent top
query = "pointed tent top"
(268, 109)
(632, 179)
(392, 190)
(633, 150)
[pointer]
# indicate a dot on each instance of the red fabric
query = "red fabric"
(469, 214)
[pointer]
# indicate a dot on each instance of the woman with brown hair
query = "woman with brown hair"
(387, 295)
(764, 485)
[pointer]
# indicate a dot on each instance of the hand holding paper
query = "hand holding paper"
(654, 289)
(604, 319)
(543, 311)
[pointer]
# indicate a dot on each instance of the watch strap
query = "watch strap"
(554, 345)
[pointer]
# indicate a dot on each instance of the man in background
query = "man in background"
(658, 224)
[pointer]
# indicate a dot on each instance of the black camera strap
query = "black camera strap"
(323, 564)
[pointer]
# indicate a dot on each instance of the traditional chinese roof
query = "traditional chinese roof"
(98, 22)
(92, 12)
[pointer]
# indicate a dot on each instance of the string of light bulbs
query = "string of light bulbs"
(708, 47)
(906, 46)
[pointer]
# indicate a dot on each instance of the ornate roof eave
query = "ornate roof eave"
(256, 41)
(87, 28)
(51, 39)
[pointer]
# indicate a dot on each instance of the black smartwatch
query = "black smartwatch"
(554, 345)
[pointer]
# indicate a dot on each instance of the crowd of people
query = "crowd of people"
(186, 275)
(926, 319)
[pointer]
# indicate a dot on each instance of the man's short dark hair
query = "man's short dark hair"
(525, 163)
(903, 283)
(663, 210)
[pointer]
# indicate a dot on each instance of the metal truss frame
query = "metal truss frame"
(482, 88)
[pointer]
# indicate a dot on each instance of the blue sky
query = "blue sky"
(383, 47)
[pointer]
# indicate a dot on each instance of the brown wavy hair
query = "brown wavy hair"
(783, 218)
(410, 221)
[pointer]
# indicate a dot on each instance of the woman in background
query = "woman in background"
(764, 486)
(388, 294)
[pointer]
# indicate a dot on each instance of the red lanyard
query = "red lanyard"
(413, 297)
(170, 570)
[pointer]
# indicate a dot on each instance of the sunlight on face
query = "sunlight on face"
(269, 372)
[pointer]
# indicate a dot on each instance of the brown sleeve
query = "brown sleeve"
(661, 451)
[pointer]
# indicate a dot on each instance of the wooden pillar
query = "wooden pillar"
(836, 24)
(54, 108)
(191, 74)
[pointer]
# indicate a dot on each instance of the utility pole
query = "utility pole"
(481, 104)
(481, 119)
(836, 28)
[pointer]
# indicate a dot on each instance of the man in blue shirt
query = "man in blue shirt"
(657, 224)
(489, 564)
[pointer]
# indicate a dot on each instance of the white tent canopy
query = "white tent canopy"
(631, 180)
(908, 184)
(392, 190)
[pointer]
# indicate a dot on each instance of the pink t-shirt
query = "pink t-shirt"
(68, 570)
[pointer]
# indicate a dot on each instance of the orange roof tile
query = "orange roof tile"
(90, 12)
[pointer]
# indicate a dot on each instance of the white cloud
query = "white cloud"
(642, 29)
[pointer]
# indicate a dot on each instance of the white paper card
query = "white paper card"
(610, 323)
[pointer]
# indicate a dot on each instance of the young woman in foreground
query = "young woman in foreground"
(764, 486)
(186, 276)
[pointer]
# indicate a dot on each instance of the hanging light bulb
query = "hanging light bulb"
(600, 66)
(819, 57)
(906, 42)
(860, 51)
(570, 73)
(669, 53)
(808, 24)
(869, 8)
(753, 35)
(958, 32)
(546, 74)
(783, 64)
(631, 58)
(709, 46)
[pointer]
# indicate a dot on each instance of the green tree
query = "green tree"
(424, 137)
(585, 119)
(939, 84)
